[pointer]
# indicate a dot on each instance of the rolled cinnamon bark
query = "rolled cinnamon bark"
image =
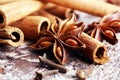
(45, 14)
(14, 11)
(32, 25)
(5, 1)
(11, 36)
(95, 50)
(95, 7)
(57, 10)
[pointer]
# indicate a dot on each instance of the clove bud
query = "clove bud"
(52, 64)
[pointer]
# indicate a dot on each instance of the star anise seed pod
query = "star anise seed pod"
(61, 35)
(105, 28)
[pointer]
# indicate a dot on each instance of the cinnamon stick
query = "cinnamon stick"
(95, 50)
(6, 1)
(11, 36)
(58, 10)
(45, 14)
(32, 25)
(17, 10)
(95, 7)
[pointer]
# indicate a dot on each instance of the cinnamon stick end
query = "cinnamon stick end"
(100, 56)
(2, 19)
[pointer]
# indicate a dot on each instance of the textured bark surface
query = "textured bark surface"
(20, 63)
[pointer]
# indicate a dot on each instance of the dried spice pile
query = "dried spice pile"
(41, 40)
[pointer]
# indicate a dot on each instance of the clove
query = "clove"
(51, 64)
(43, 74)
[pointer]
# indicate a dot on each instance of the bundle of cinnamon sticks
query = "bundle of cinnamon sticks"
(10, 12)
(19, 19)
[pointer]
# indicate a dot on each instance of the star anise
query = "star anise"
(63, 36)
(105, 28)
